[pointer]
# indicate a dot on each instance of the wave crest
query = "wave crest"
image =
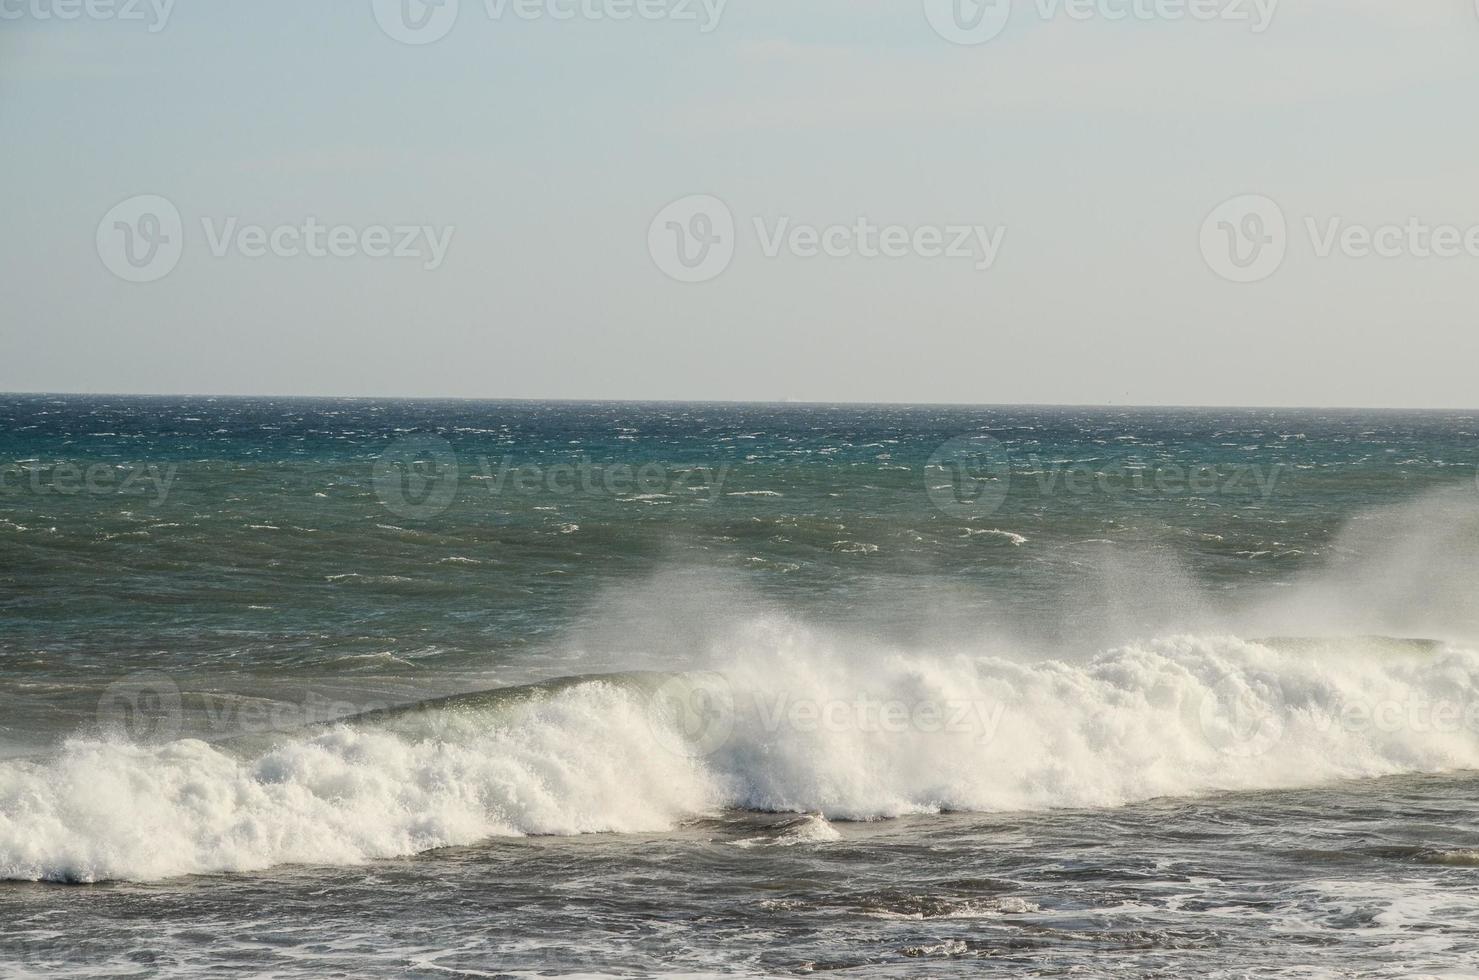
(804, 726)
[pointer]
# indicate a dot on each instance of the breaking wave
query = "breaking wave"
(794, 723)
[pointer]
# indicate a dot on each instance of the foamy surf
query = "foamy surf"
(792, 726)
(581, 761)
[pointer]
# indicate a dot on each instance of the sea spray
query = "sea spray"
(1176, 716)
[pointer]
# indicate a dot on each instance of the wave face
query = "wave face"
(792, 724)
(580, 761)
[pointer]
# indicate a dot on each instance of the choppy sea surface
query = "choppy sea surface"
(308, 688)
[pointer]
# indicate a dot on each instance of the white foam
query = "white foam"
(1177, 716)
(583, 762)
(797, 722)
(1017, 540)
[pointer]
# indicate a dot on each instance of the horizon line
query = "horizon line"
(796, 403)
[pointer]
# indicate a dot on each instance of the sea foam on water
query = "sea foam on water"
(1174, 716)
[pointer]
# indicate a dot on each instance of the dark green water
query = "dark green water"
(1052, 626)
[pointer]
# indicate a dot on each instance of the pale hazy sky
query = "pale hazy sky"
(547, 146)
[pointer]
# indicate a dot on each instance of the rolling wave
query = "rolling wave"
(793, 723)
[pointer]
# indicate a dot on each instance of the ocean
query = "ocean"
(311, 688)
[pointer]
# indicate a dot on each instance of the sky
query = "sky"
(1183, 202)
